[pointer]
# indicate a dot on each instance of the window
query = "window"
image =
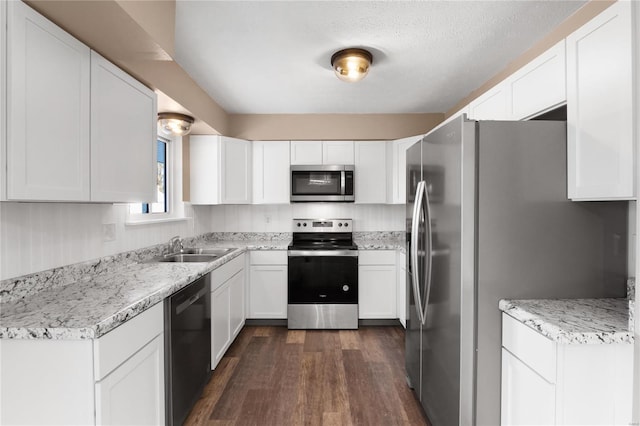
(161, 205)
(167, 205)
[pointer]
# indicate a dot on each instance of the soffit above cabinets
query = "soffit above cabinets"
(257, 57)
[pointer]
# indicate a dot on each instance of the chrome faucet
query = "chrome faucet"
(175, 244)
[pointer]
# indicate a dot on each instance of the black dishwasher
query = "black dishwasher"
(187, 348)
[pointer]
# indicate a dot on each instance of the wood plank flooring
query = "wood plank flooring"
(274, 376)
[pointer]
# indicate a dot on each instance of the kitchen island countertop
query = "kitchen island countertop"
(574, 321)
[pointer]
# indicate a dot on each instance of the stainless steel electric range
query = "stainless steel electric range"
(322, 275)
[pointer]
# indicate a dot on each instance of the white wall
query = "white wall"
(277, 218)
(39, 236)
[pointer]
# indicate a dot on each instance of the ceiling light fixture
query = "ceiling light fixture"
(352, 64)
(174, 124)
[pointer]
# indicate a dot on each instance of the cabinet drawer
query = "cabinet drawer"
(115, 347)
(268, 257)
(530, 347)
(226, 271)
(376, 257)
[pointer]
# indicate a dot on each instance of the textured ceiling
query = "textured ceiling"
(268, 57)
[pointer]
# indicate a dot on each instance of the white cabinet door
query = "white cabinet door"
(306, 153)
(268, 291)
(220, 170)
(540, 85)
(204, 169)
(236, 301)
(48, 91)
(397, 169)
(236, 171)
(377, 291)
(123, 136)
(371, 179)
(401, 289)
(271, 172)
(337, 152)
(527, 398)
(134, 392)
(220, 323)
(3, 101)
(600, 113)
(492, 105)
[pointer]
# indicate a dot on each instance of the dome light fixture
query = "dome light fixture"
(174, 124)
(351, 64)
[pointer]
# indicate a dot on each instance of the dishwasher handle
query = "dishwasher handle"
(190, 301)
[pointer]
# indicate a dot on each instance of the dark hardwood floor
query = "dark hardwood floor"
(275, 376)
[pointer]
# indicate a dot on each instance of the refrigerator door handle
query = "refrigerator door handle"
(415, 227)
(429, 251)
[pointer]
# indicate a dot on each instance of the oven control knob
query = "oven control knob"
(304, 224)
(340, 224)
(346, 224)
(345, 288)
(298, 225)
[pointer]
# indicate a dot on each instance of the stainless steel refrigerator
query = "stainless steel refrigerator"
(488, 218)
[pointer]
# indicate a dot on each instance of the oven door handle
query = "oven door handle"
(323, 253)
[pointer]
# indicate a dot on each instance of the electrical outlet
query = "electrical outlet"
(108, 232)
(267, 218)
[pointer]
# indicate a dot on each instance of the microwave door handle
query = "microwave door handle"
(343, 183)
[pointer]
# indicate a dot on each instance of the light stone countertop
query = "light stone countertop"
(95, 297)
(574, 321)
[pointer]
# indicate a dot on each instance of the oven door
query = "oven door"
(323, 277)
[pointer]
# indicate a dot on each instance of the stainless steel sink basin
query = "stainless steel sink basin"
(181, 257)
(192, 254)
(214, 251)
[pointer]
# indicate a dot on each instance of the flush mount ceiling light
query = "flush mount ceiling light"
(352, 64)
(174, 124)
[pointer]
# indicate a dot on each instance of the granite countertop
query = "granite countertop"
(94, 304)
(85, 301)
(574, 321)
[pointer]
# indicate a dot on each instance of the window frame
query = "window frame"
(174, 211)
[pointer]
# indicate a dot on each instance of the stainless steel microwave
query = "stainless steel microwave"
(322, 183)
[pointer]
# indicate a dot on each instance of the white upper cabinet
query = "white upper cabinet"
(271, 175)
(220, 170)
(600, 113)
(3, 99)
(540, 85)
(492, 105)
(397, 169)
(306, 153)
(48, 91)
(370, 179)
(322, 152)
(236, 171)
(123, 135)
(337, 152)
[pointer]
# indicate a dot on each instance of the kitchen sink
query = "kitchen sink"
(192, 254)
(212, 251)
(182, 257)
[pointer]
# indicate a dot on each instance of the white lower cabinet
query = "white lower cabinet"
(377, 284)
(134, 392)
(548, 383)
(268, 284)
(220, 323)
(115, 379)
(227, 306)
(401, 289)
